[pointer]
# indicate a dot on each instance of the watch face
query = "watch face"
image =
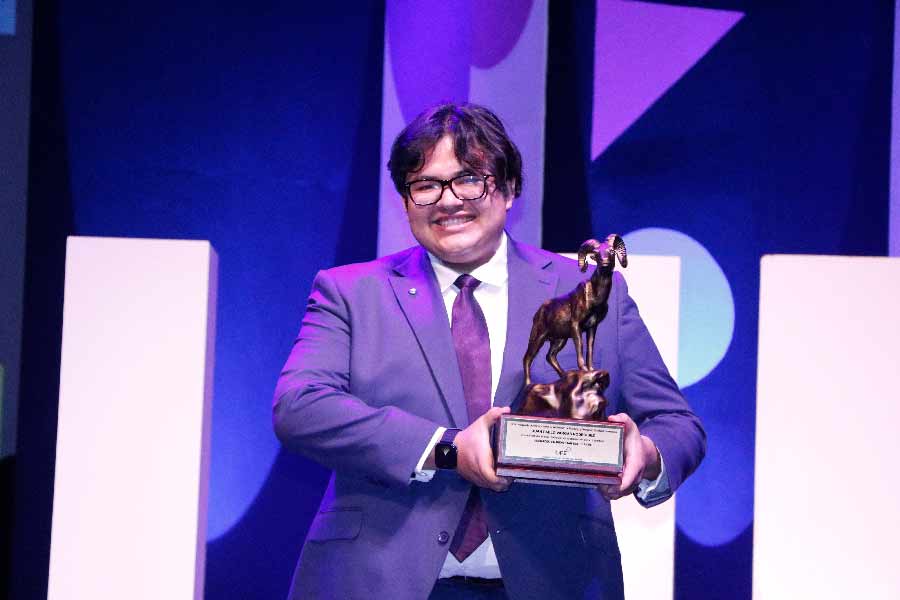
(445, 455)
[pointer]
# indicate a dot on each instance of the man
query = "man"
(382, 373)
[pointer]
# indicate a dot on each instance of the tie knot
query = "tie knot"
(466, 281)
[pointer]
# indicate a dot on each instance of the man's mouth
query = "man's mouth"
(454, 221)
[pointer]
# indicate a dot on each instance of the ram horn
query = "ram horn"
(588, 247)
(615, 241)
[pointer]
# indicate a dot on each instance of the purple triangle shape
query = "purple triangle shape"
(640, 51)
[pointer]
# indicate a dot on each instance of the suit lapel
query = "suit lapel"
(415, 287)
(530, 283)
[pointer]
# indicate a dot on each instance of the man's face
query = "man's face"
(464, 234)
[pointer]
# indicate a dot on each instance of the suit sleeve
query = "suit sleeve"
(315, 414)
(652, 397)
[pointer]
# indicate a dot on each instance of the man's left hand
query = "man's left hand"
(641, 460)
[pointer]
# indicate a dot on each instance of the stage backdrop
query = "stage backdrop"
(15, 92)
(15, 95)
(711, 130)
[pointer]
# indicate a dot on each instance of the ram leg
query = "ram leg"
(535, 341)
(591, 332)
(555, 346)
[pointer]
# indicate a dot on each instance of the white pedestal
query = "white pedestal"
(129, 508)
(826, 516)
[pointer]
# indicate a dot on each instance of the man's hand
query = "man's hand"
(474, 456)
(641, 460)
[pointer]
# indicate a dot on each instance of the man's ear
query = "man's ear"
(510, 195)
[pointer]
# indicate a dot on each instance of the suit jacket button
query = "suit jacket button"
(443, 537)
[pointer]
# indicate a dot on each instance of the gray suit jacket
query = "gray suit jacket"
(373, 373)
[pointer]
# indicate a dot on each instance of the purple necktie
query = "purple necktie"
(473, 352)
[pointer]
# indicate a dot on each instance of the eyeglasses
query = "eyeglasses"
(424, 192)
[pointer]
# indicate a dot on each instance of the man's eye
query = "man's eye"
(469, 180)
(424, 186)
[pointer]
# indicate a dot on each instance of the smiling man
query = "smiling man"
(403, 364)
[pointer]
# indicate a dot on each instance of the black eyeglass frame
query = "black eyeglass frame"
(446, 183)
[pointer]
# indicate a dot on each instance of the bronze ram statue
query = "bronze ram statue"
(566, 317)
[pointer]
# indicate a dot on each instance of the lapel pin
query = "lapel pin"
(412, 291)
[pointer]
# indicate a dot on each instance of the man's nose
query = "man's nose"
(448, 198)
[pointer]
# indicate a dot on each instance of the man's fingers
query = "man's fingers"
(625, 490)
(493, 415)
(633, 467)
(613, 492)
(622, 418)
(503, 484)
(497, 483)
(489, 479)
(488, 472)
(629, 476)
(606, 491)
(477, 457)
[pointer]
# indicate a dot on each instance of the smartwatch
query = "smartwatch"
(445, 450)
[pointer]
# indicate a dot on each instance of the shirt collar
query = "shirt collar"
(493, 272)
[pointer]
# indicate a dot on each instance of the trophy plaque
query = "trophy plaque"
(558, 435)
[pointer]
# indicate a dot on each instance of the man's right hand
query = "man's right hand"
(474, 455)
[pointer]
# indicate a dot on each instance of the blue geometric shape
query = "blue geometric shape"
(706, 322)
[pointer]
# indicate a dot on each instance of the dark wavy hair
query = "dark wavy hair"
(480, 143)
